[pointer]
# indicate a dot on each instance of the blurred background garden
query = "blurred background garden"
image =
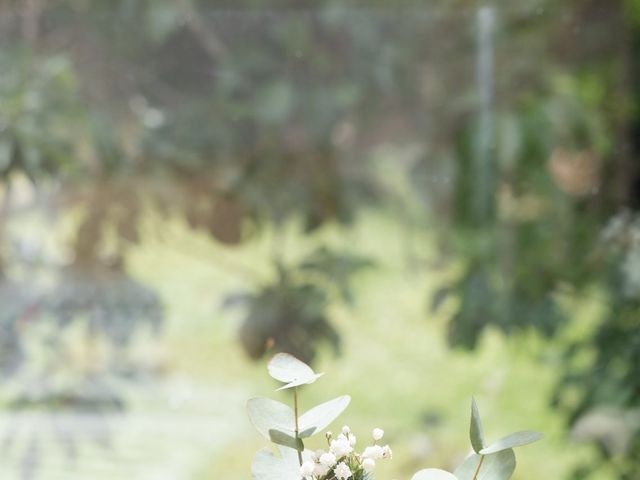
(428, 200)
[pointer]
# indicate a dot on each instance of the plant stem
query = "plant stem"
(295, 412)
(475, 475)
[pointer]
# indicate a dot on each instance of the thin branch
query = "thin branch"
(210, 41)
(475, 475)
(297, 430)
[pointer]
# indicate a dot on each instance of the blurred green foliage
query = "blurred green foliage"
(239, 119)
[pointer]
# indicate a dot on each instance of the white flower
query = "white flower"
(346, 430)
(307, 469)
(378, 433)
(386, 452)
(352, 440)
(321, 470)
(340, 447)
(315, 456)
(328, 459)
(368, 464)
(374, 452)
(342, 471)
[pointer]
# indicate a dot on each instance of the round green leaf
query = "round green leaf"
(288, 369)
(497, 466)
(517, 439)
(269, 415)
(267, 466)
(286, 439)
(319, 418)
(433, 474)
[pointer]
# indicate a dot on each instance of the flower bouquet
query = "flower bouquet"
(288, 430)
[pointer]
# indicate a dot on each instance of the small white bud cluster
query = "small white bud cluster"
(342, 462)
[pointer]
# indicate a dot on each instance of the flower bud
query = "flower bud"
(375, 452)
(306, 470)
(328, 459)
(386, 452)
(368, 464)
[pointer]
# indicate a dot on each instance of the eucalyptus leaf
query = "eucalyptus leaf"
(267, 415)
(286, 440)
(433, 474)
(475, 431)
(497, 466)
(288, 369)
(318, 418)
(267, 466)
(517, 439)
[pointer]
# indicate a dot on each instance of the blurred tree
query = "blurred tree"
(565, 163)
(245, 117)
